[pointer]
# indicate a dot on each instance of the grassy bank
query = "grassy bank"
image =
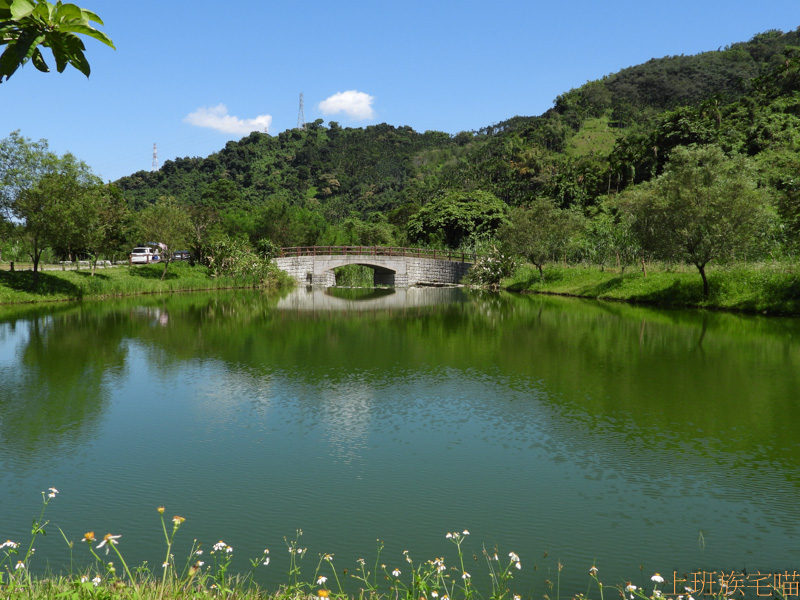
(764, 288)
(56, 285)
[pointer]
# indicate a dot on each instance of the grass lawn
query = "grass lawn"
(769, 288)
(58, 285)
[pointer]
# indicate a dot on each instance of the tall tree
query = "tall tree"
(704, 206)
(456, 216)
(46, 194)
(539, 232)
(167, 223)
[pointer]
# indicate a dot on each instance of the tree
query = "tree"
(25, 25)
(103, 225)
(704, 206)
(23, 163)
(46, 193)
(539, 232)
(168, 224)
(456, 216)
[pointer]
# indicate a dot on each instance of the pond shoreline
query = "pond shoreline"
(763, 291)
(768, 292)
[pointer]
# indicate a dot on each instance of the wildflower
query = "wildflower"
(84, 578)
(630, 587)
(657, 593)
(108, 539)
(53, 492)
(518, 566)
(495, 556)
(266, 562)
(593, 570)
(198, 552)
(361, 561)
(178, 520)
(160, 510)
(199, 564)
(657, 578)
(465, 576)
(396, 572)
(465, 532)
(228, 549)
(220, 545)
(322, 579)
(322, 593)
(434, 594)
(20, 565)
(328, 557)
(88, 537)
(165, 565)
(449, 536)
(517, 597)
(513, 557)
(9, 544)
(96, 581)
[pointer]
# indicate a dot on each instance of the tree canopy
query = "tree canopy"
(704, 206)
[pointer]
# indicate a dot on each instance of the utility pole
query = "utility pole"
(154, 168)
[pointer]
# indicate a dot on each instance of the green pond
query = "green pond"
(566, 431)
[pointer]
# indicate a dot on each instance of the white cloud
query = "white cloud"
(356, 105)
(217, 117)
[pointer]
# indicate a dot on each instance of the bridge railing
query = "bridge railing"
(378, 251)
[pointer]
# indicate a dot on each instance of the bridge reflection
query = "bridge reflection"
(312, 298)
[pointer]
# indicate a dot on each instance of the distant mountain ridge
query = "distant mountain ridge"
(596, 140)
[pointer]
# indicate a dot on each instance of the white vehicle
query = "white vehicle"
(143, 254)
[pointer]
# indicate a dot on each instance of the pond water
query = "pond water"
(565, 431)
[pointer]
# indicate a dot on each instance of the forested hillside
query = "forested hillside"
(328, 184)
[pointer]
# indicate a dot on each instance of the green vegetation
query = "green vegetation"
(27, 24)
(19, 286)
(354, 276)
(765, 287)
(105, 574)
(598, 179)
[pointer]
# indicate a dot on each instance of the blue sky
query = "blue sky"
(191, 75)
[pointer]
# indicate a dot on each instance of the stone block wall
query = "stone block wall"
(397, 271)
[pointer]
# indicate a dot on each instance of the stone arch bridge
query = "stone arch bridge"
(398, 267)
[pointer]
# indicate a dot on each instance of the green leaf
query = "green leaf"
(68, 11)
(26, 45)
(8, 61)
(76, 57)
(38, 61)
(90, 16)
(21, 9)
(87, 30)
(60, 51)
(45, 10)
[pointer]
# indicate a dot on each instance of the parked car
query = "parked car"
(181, 255)
(143, 254)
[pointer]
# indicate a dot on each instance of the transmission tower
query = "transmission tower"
(155, 158)
(301, 116)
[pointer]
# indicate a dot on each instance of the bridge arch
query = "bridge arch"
(381, 274)
(398, 267)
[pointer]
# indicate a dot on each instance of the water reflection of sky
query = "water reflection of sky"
(249, 443)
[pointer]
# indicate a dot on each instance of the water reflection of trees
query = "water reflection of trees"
(53, 399)
(611, 370)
